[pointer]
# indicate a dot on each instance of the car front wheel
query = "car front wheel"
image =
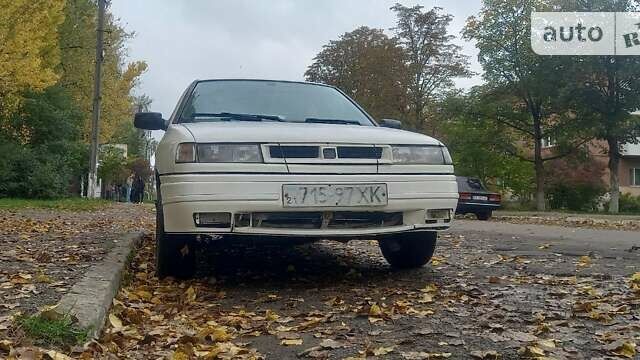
(175, 254)
(409, 250)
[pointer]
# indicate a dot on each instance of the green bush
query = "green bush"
(575, 197)
(34, 172)
(42, 152)
(574, 183)
(629, 203)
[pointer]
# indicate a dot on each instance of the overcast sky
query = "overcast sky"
(274, 39)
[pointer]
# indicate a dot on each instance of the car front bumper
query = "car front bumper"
(410, 197)
(475, 207)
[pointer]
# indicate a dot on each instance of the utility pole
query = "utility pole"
(93, 165)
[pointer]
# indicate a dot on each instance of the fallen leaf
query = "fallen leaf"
(190, 295)
(383, 350)
(291, 342)
(421, 355)
(622, 348)
(375, 310)
(584, 261)
(485, 354)
(115, 322)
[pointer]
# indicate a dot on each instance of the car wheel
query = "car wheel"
(484, 215)
(409, 250)
(175, 254)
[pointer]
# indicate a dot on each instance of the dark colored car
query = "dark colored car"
(475, 198)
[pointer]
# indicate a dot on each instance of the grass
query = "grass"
(57, 332)
(69, 204)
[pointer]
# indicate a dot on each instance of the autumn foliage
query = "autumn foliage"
(47, 55)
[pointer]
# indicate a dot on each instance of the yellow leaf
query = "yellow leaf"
(534, 351)
(426, 298)
(635, 278)
(430, 288)
(54, 355)
(584, 261)
(5, 345)
(626, 349)
(190, 295)
(145, 295)
(547, 343)
(271, 315)
(115, 322)
(375, 310)
(291, 342)
(383, 350)
(220, 334)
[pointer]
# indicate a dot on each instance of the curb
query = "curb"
(89, 300)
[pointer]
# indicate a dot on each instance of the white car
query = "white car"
(293, 160)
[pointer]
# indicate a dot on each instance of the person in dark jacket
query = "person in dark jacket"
(138, 190)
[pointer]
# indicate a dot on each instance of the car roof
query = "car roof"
(269, 80)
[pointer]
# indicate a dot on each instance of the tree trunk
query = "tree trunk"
(538, 161)
(539, 167)
(614, 182)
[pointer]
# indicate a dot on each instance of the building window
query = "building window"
(634, 177)
(548, 142)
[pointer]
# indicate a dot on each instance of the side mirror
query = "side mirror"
(149, 121)
(390, 123)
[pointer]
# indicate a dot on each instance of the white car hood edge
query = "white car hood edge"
(268, 132)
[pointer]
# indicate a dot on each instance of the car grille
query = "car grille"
(319, 220)
(313, 152)
(294, 152)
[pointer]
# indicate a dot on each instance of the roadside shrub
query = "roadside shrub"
(575, 183)
(629, 203)
(33, 172)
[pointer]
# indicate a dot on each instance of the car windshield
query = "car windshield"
(469, 184)
(247, 100)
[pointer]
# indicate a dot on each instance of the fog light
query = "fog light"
(216, 220)
(433, 214)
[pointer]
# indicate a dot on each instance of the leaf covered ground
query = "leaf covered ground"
(482, 297)
(43, 252)
(331, 300)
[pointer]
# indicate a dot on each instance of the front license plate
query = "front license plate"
(312, 195)
(477, 197)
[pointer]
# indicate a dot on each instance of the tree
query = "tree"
(525, 91)
(368, 66)
(41, 147)
(608, 88)
(77, 44)
(29, 49)
(477, 145)
(433, 61)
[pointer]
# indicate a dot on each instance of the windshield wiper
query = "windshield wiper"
(331, 121)
(226, 116)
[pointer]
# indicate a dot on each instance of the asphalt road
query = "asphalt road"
(492, 288)
(617, 251)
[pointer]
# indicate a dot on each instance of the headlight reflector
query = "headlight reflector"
(426, 155)
(229, 153)
(186, 153)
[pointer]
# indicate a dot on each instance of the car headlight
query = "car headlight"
(426, 155)
(186, 153)
(229, 153)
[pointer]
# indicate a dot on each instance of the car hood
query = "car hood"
(261, 132)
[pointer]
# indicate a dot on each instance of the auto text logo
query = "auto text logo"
(585, 33)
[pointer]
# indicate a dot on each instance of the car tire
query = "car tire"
(484, 216)
(409, 250)
(175, 253)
